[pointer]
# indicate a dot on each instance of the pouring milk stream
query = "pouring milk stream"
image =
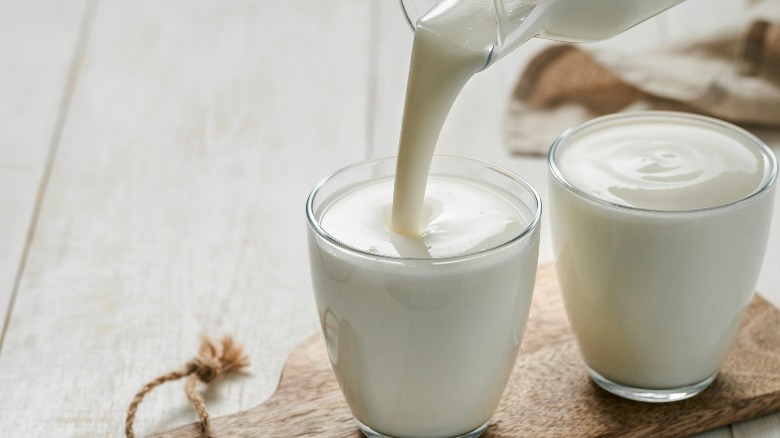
(456, 39)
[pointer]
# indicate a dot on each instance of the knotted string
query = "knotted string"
(211, 362)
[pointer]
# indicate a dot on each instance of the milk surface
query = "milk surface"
(459, 217)
(662, 164)
(655, 289)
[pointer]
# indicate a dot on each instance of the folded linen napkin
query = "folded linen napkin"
(733, 74)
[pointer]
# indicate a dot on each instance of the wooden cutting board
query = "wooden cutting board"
(549, 393)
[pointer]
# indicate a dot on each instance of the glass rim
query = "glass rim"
(743, 136)
(314, 223)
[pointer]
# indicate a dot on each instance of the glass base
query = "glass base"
(650, 395)
(370, 433)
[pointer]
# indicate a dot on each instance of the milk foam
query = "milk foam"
(661, 164)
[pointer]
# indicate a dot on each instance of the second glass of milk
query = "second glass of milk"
(659, 224)
(422, 332)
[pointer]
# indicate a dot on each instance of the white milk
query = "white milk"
(422, 331)
(662, 164)
(451, 43)
(587, 20)
(655, 285)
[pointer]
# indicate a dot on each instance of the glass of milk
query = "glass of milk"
(659, 224)
(422, 332)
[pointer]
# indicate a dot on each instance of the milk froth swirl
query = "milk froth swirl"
(661, 165)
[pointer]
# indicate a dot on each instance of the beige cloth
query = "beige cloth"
(733, 75)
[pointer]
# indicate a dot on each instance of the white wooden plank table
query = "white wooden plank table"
(154, 160)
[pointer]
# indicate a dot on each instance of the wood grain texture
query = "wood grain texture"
(175, 207)
(38, 42)
(549, 393)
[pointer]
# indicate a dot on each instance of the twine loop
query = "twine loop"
(211, 362)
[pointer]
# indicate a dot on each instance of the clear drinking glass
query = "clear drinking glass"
(655, 296)
(423, 346)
